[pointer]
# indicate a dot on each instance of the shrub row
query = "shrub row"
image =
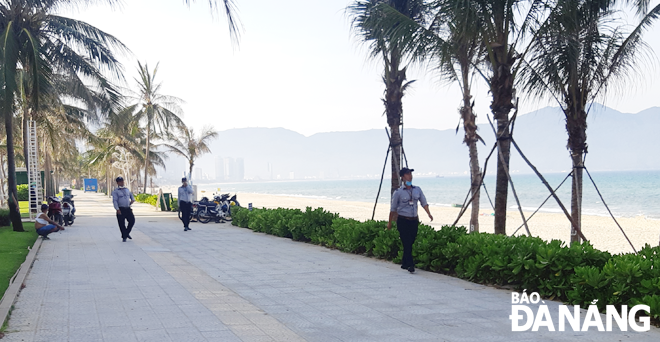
(576, 274)
(152, 199)
(4, 217)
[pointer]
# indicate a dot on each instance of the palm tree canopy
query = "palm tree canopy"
(190, 145)
(230, 9)
(583, 48)
(159, 111)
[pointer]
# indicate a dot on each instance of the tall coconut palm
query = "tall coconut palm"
(452, 45)
(505, 25)
(229, 7)
(159, 112)
(583, 48)
(34, 38)
(191, 146)
(365, 16)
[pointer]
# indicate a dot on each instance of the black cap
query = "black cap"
(184, 179)
(44, 207)
(119, 179)
(404, 171)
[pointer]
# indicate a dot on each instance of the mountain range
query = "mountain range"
(617, 141)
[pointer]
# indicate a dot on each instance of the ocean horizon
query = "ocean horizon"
(627, 193)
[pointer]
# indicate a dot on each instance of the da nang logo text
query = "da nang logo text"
(523, 317)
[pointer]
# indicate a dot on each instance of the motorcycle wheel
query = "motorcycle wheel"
(68, 221)
(203, 217)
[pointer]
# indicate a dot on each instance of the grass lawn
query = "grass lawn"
(13, 250)
(25, 208)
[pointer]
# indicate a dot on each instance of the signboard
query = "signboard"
(91, 184)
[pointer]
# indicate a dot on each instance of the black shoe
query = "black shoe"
(130, 237)
(45, 237)
(404, 267)
(189, 228)
(411, 269)
(124, 239)
(185, 229)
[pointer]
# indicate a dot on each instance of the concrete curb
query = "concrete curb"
(15, 287)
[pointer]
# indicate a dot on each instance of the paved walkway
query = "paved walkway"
(223, 283)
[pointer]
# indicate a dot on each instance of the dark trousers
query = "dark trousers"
(186, 208)
(126, 215)
(408, 234)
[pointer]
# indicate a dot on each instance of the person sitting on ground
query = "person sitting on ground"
(45, 225)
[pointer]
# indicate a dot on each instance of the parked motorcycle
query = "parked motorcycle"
(218, 210)
(68, 210)
(55, 210)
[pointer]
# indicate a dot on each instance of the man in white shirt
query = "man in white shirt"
(122, 198)
(185, 200)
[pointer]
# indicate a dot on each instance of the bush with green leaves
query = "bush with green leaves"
(576, 274)
(23, 192)
(4, 217)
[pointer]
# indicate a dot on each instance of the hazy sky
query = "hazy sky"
(297, 67)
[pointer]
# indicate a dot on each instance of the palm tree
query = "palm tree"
(580, 50)
(229, 7)
(159, 111)
(366, 15)
(120, 131)
(190, 145)
(34, 38)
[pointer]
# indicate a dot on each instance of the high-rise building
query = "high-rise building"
(219, 169)
(198, 174)
(240, 169)
(230, 168)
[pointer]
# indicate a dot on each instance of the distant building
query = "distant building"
(292, 175)
(230, 168)
(240, 169)
(219, 169)
(197, 174)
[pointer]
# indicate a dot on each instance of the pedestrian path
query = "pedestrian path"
(223, 283)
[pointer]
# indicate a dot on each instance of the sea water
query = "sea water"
(627, 194)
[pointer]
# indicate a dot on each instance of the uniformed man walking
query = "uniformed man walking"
(404, 211)
(122, 198)
(185, 200)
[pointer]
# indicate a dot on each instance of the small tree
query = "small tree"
(191, 146)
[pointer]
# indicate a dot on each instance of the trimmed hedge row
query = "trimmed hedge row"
(576, 274)
(4, 217)
(152, 199)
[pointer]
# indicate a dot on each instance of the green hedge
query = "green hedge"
(152, 199)
(146, 198)
(23, 192)
(4, 217)
(576, 274)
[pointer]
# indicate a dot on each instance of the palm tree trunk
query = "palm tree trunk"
(470, 127)
(394, 79)
(396, 157)
(576, 126)
(502, 90)
(12, 193)
(146, 160)
(48, 177)
(25, 139)
(2, 179)
(471, 139)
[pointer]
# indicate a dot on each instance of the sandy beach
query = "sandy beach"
(601, 231)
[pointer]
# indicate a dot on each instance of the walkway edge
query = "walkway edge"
(14, 288)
